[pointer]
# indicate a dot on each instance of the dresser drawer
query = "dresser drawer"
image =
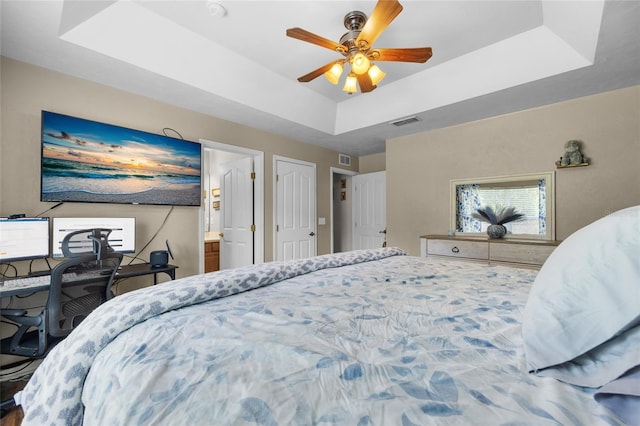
(531, 254)
(519, 253)
(464, 249)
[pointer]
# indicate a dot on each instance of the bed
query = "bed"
(371, 337)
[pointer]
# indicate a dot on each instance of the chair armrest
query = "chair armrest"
(13, 312)
(20, 316)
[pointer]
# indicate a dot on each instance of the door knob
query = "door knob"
(384, 231)
(220, 234)
(311, 234)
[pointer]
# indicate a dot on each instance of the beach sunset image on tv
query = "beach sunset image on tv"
(87, 161)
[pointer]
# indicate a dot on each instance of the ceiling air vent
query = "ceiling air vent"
(344, 159)
(405, 121)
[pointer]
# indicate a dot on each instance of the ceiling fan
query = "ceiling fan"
(357, 48)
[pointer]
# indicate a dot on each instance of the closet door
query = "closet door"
(369, 210)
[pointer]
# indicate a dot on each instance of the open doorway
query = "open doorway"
(341, 210)
(215, 155)
(213, 160)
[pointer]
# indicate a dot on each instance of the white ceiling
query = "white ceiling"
(489, 58)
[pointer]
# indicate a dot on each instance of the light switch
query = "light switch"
(322, 221)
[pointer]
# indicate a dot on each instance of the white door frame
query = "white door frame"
(258, 206)
(277, 158)
(333, 170)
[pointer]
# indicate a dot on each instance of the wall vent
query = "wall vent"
(405, 121)
(344, 159)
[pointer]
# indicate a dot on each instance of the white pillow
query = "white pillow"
(587, 291)
(601, 365)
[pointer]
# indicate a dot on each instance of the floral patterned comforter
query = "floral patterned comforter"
(360, 338)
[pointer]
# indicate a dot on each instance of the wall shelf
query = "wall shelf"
(568, 166)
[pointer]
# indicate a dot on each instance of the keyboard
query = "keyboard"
(33, 281)
(25, 282)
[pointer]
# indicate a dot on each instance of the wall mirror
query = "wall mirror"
(532, 195)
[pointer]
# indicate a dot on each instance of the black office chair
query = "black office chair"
(87, 278)
(65, 308)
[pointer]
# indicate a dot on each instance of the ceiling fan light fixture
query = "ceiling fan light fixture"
(334, 73)
(376, 74)
(360, 63)
(351, 84)
(356, 46)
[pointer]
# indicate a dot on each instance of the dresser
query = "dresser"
(523, 253)
(211, 256)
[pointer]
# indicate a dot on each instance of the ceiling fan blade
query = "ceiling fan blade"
(304, 35)
(364, 81)
(415, 54)
(383, 14)
(316, 73)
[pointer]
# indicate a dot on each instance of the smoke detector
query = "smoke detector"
(216, 9)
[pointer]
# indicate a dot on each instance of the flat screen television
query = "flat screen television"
(24, 238)
(87, 161)
(122, 237)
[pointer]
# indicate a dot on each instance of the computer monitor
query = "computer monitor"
(24, 238)
(122, 237)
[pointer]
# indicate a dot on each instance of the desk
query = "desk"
(125, 271)
(138, 269)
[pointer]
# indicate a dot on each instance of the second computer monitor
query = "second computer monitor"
(122, 237)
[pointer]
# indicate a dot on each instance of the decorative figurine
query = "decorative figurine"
(572, 154)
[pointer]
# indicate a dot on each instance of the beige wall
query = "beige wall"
(26, 90)
(373, 163)
(524, 142)
(422, 164)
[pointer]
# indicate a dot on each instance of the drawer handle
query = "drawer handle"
(455, 249)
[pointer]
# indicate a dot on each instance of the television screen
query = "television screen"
(87, 161)
(24, 238)
(122, 237)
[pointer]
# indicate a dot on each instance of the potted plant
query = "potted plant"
(497, 218)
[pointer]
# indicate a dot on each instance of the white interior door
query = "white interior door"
(369, 210)
(295, 236)
(236, 214)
